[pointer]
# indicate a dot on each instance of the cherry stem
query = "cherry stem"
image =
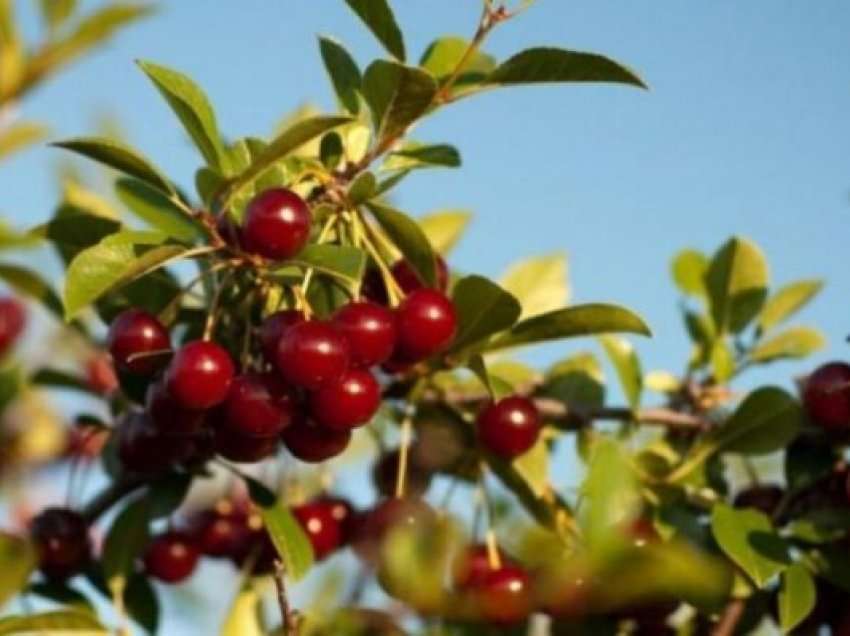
(730, 618)
(403, 452)
(288, 617)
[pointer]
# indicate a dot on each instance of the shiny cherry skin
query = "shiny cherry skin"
(347, 402)
(313, 443)
(317, 520)
(503, 596)
(220, 534)
(62, 543)
(138, 342)
(385, 474)
(277, 224)
(171, 557)
(427, 323)
(407, 279)
(826, 396)
(311, 354)
(168, 415)
(344, 514)
(258, 405)
(473, 565)
(273, 328)
(370, 331)
(199, 375)
(509, 427)
(13, 319)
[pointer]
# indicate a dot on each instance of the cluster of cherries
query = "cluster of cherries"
(13, 320)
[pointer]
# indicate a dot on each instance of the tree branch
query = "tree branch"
(288, 617)
(730, 618)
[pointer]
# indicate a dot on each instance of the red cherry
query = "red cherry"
(258, 406)
(273, 328)
(199, 375)
(509, 427)
(348, 402)
(313, 443)
(503, 596)
(317, 520)
(473, 565)
(370, 331)
(827, 396)
(385, 474)
(277, 224)
(61, 540)
(138, 342)
(146, 450)
(408, 280)
(220, 533)
(311, 354)
(13, 319)
(100, 374)
(427, 323)
(168, 415)
(244, 449)
(171, 557)
(344, 514)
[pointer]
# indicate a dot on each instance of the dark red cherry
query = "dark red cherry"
(138, 342)
(277, 224)
(144, 449)
(417, 479)
(61, 540)
(473, 565)
(245, 449)
(317, 520)
(313, 443)
(273, 328)
(13, 319)
(311, 354)
(764, 498)
(100, 374)
(171, 557)
(827, 396)
(509, 427)
(168, 415)
(220, 534)
(347, 402)
(199, 375)
(427, 322)
(370, 331)
(503, 596)
(258, 405)
(407, 279)
(344, 514)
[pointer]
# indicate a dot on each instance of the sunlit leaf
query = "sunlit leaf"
(445, 228)
(397, 95)
(737, 280)
(19, 135)
(157, 210)
(627, 364)
(748, 538)
(688, 269)
(58, 622)
(539, 283)
(787, 301)
(797, 597)
(795, 342)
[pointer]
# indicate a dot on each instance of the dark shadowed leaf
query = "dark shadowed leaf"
(748, 538)
(795, 342)
(157, 210)
(126, 540)
(167, 493)
(142, 602)
(417, 156)
(362, 188)
(344, 73)
(483, 309)
(557, 65)
(737, 280)
(577, 381)
(378, 17)
(61, 380)
(409, 238)
(28, 283)
(72, 232)
(397, 95)
(62, 594)
(344, 262)
(787, 301)
(331, 150)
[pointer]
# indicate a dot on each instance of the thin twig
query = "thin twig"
(288, 617)
(730, 618)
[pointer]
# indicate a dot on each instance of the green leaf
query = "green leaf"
(30, 284)
(807, 461)
(787, 301)
(167, 493)
(722, 360)
(126, 540)
(417, 156)
(63, 595)
(577, 381)
(243, 618)
(73, 232)
(17, 562)
(142, 602)
(533, 467)
(444, 55)
(409, 238)
(331, 150)
(445, 228)
(545, 64)
(55, 12)
(483, 309)
(748, 538)
(61, 380)
(797, 596)
(539, 283)
(820, 526)
(627, 364)
(344, 262)
(362, 188)
(117, 260)
(378, 17)
(157, 210)
(344, 73)
(192, 107)
(737, 280)
(796, 342)
(121, 157)
(286, 533)
(496, 386)
(397, 95)
(19, 135)
(580, 320)
(688, 269)
(59, 622)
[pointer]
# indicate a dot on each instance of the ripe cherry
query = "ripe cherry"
(370, 331)
(509, 427)
(258, 406)
(385, 474)
(13, 318)
(503, 595)
(311, 354)
(473, 565)
(344, 514)
(313, 443)
(347, 402)
(220, 533)
(199, 375)
(273, 328)
(317, 520)
(100, 374)
(171, 557)
(138, 342)
(277, 224)
(144, 449)
(61, 539)
(827, 396)
(427, 323)
(244, 449)
(407, 279)
(168, 415)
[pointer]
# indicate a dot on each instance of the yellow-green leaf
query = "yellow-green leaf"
(788, 301)
(539, 283)
(445, 228)
(795, 342)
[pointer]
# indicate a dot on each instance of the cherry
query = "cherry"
(385, 474)
(370, 331)
(408, 280)
(376, 524)
(641, 531)
(229, 231)
(199, 375)
(277, 224)
(61, 539)
(344, 514)
(472, 566)
(827, 396)
(503, 595)
(765, 498)
(244, 449)
(100, 374)
(318, 522)
(221, 533)
(348, 402)
(427, 323)
(144, 449)
(171, 557)
(168, 415)
(273, 328)
(313, 443)
(258, 406)
(509, 427)
(13, 318)
(311, 354)
(136, 341)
